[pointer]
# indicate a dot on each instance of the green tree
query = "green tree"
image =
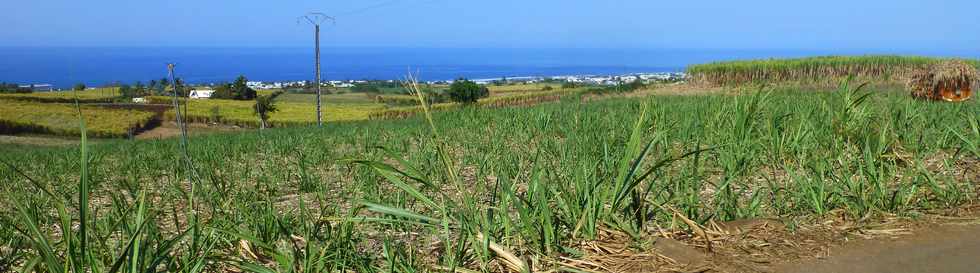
(161, 87)
(265, 105)
(127, 91)
(78, 87)
(182, 89)
(241, 90)
(139, 89)
(466, 91)
(636, 85)
(10, 88)
(223, 91)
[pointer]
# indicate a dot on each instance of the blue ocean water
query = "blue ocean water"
(95, 66)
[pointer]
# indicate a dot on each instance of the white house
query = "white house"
(139, 100)
(39, 87)
(201, 94)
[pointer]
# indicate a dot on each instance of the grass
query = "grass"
(510, 99)
(106, 94)
(521, 88)
(56, 118)
(823, 70)
(294, 109)
(342, 98)
(290, 113)
(477, 188)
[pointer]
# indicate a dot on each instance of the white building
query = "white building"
(201, 94)
(39, 87)
(628, 78)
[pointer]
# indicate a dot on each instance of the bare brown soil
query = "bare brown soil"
(949, 248)
(933, 243)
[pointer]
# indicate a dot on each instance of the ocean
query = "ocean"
(97, 66)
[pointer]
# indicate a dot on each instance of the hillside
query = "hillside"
(485, 189)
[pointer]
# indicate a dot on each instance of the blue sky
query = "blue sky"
(748, 24)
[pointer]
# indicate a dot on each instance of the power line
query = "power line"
(383, 4)
(369, 8)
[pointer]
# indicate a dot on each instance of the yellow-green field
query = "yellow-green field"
(54, 112)
(522, 88)
(290, 113)
(355, 98)
(823, 69)
(511, 99)
(98, 94)
(298, 109)
(62, 119)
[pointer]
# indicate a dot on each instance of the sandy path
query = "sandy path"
(169, 129)
(949, 249)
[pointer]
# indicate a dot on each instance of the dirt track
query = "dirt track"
(169, 129)
(949, 249)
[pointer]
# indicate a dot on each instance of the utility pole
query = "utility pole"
(180, 121)
(315, 19)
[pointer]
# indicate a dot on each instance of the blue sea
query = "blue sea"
(96, 66)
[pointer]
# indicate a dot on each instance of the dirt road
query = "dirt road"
(169, 129)
(947, 249)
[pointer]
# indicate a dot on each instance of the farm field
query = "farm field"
(240, 113)
(297, 109)
(569, 186)
(62, 119)
(521, 88)
(499, 100)
(294, 110)
(94, 95)
(819, 70)
(352, 98)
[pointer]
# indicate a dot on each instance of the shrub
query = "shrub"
(466, 91)
(619, 88)
(365, 88)
(265, 105)
(127, 91)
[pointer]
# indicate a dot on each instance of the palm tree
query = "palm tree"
(265, 105)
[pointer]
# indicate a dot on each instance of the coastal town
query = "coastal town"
(602, 80)
(605, 80)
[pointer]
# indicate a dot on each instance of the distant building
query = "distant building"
(201, 94)
(39, 87)
(139, 100)
(628, 78)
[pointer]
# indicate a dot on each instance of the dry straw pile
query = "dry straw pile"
(951, 80)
